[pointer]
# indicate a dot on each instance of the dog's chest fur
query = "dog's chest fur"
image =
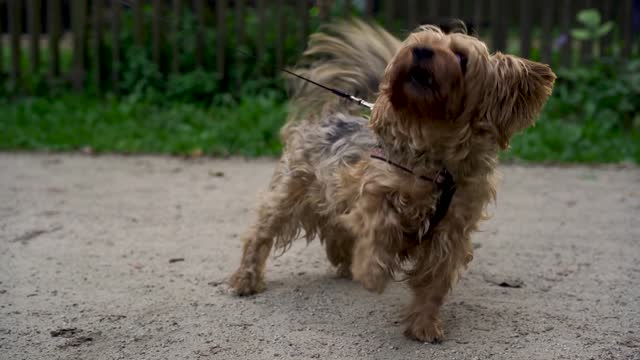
(338, 148)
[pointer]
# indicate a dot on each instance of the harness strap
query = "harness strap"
(443, 181)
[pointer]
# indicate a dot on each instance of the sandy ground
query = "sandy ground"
(124, 257)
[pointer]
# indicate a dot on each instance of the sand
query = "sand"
(114, 257)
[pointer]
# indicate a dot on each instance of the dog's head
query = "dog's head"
(438, 83)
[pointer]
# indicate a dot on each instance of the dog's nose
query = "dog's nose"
(422, 53)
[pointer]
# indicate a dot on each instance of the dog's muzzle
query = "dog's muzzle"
(419, 74)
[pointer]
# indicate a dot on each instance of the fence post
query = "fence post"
(78, 27)
(1, 51)
(324, 9)
(13, 7)
(586, 46)
(604, 45)
(368, 9)
(282, 22)
(198, 7)
(303, 13)
(175, 42)
(260, 36)
(498, 26)
(626, 10)
(240, 13)
(525, 28)
(240, 33)
(157, 31)
(477, 14)
(53, 23)
(434, 9)
(566, 54)
(96, 43)
(412, 12)
(547, 18)
(222, 34)
(388, 13)
(115, 33)
(138, 26)
(347, 8)
(33, 19)
(454, 11)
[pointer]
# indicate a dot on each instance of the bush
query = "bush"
(134, 125)
(243, 74)
(593, 115)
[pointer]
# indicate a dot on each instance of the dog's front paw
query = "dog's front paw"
(373, 277)
(246, 282)
(426, 330)
(343, 271)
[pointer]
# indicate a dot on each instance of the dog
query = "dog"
(396, 195)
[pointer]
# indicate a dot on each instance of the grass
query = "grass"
(70, 123)
(561, 141)
(249, 128)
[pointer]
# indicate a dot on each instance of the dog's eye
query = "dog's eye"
(462, 59)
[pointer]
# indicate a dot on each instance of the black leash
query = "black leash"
(443, 181)
(448, 187)
(337, 92)
(357, 100)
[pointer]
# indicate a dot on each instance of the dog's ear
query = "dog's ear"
(522, 87)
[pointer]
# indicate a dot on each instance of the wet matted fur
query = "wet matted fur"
(441, 101)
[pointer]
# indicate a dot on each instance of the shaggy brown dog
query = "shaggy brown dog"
(442, 104)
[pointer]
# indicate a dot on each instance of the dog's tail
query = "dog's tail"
(349, 56)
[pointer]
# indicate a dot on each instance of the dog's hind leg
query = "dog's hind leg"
(277, 218)
(339, 244)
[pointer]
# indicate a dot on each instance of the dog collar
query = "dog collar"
(443, 180)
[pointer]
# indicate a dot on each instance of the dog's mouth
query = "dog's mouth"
(421, 78)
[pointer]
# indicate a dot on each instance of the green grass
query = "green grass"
(249, 128)
(561, 141)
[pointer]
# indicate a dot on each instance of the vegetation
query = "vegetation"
(249, 127)
(593, 115)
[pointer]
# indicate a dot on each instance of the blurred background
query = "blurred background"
(200, 77)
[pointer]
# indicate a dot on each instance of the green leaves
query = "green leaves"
(193, 87)
(592, 27)
(136, 125)
(589, 17)
(581, 34)
(604, 29)
(592, 116)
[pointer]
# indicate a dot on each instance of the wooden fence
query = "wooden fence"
(35, 29)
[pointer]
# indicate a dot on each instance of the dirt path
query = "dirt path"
(123, 258)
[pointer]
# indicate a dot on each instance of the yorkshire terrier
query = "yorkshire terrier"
(400, 193)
